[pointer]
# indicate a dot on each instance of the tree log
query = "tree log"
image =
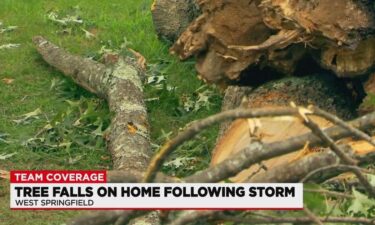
(322, 91)
(121, 85)
(234, 96)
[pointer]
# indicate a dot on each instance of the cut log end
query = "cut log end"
(319, 91)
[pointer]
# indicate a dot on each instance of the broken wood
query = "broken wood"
(234, 97)
(231, 166)
(296, 170)
(322, 91)
(230, 36)
(223, 23)
(121, 85)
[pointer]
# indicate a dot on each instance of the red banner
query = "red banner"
(58, 176)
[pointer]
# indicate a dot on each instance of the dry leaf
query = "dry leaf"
(88, 34)
(7, 80)
(105, 158)
(4, 174)
(29, 116)
(141, 60)
(7, 156)
(9, 46)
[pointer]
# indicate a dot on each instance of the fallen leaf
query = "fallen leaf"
(28, 116)
(155, 79)
(141, 60)
(179, 162)
(3, 138)
(74, 160)
(7, 80)
(66, 20)
(5, 174)
(105, 158)
(6, 156)
(188, 103)
(9, 46)
(88, 34)
(8, 29)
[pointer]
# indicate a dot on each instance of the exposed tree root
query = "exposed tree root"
(231, 35)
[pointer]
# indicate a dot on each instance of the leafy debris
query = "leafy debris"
(29, 117)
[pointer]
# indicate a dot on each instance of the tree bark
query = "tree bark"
(121, 85)
(232, 35)
(325, 92)
(172, 17)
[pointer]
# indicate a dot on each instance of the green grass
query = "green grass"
(32, 88)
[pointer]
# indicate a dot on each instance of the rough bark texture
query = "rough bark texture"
(223, 23)
(350, 62)
(297, 170)
(172, 17)
(129, 134)
(233, 98)
(121, 85)
(323, 91)
(232, 35)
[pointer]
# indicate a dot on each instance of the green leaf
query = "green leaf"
(361, 204)
(315, 201)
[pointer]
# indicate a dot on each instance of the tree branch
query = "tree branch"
(297, 220)
(198, 126)
(258, 152)
(346, 159)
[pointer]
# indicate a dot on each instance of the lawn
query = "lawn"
(47, 122)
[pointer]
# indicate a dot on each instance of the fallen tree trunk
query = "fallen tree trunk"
(325, 92)
(121, 85)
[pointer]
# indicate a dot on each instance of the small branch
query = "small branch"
(308, 166)
(341, 154)
(198, 126)
(298, 220)
(330, 193)
(295, 170)
(334, 119)
(257, 152)
(331, 144)
(312, 216)
(340, 167)
(190, 216)
(279, 40)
